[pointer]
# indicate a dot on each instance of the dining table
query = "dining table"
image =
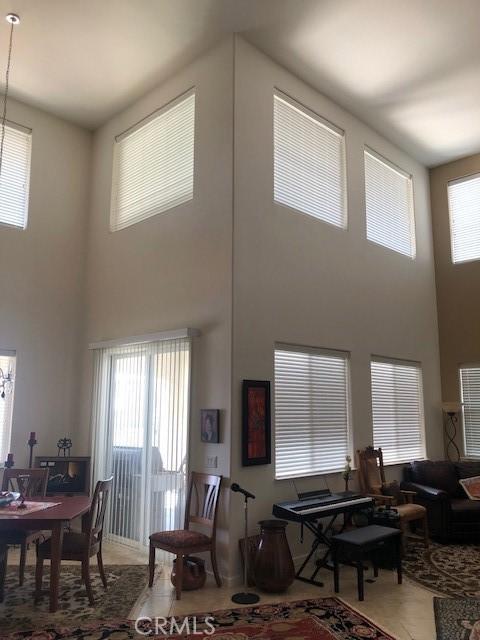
(55, 514)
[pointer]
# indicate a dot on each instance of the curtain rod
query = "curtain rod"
(147, 337)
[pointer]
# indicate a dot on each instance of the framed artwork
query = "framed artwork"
(256, 445)
(209, 420)
(67, 475)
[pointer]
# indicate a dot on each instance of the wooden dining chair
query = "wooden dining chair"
(80, 547)
(201, 508)
(35, 487)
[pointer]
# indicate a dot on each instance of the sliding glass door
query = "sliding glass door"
(140, 425)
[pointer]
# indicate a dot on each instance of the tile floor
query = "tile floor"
(405, 611)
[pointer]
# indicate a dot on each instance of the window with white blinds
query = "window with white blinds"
(153, 164)
(389, 205)
(312, 411)
(464, 209)
(7, 365)
(470, 386)
(15, 176)
(309, 162)
(397, 410)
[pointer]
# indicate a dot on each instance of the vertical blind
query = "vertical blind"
(309, 162)
(15, 176)
(312, 411)
(140, 424)
(389, 205)
(464, 209)
(397, 408)
(153, 164)
(470, 385)
(7, 364)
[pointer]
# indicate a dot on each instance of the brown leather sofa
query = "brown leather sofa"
(451, 514)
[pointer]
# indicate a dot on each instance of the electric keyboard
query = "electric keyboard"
(309, 510)
(321, 506)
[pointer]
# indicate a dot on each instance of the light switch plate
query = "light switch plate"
(212, 462)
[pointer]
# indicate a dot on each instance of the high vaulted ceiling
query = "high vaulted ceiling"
(409, 68)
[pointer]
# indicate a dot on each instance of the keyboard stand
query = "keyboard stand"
(321, 536)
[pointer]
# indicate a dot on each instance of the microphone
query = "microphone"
(237, 488)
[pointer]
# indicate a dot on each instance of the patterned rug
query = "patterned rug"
(18, 612)
(450, 569)
(457, 619)
(318, 619)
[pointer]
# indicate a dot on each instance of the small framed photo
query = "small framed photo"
(209, 421)
(256, 445)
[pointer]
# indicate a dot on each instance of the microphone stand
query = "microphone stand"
(245, 597)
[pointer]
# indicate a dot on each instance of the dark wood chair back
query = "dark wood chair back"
(202, 500)
(96, 516)
(36, 485)
(371, 472)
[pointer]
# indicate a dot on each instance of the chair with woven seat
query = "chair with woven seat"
(201, 508)
(36, 486)
(371, 476)
(81, 546)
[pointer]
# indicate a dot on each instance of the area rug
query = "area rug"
(18, 612)
(318, 619)
(449, 569)
(457, 619)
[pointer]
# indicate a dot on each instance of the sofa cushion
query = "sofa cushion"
(440, 474)
(465, 510)
(467, 469)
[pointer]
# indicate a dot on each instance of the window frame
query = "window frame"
(10, 124)
(367, 150)
(454, 181)
(114, 225)
(470, 365)
(423, 440)
(344, 355)
(332, 128)
(12, 354)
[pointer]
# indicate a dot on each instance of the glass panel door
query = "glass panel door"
(140, 416)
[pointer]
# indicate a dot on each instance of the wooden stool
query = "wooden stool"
(358, 544)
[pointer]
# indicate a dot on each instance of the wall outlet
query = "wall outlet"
(212, 462)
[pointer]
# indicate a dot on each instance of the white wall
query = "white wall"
(173, 270)
(41, 284)
(298, 280)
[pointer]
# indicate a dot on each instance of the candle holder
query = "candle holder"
(31, 443)
(23, 487)
(9, 462)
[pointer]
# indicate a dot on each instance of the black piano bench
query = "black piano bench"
(360, 544)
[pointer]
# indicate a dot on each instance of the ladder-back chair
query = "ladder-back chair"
(201, 509)
(371, 478)
(82, 546)
(35, 485)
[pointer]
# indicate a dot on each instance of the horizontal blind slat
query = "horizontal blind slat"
(470, 389)
(397, 410)
(311, 412)
(153, 167)
(389, 206)
(464, 210)
(309, 163)
(15, 177)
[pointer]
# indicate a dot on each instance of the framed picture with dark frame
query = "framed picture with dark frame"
(209, 422)
(256, 439)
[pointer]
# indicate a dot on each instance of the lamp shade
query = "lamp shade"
(452, 407)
